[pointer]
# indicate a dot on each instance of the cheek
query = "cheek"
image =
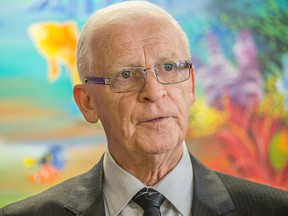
(107, 108)
(189, 91)
(190, 99)
(115, 110)
(183, 98)
(124, 110)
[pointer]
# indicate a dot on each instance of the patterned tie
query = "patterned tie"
(150, 201)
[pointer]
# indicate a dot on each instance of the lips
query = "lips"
(157, 119)
(154, 119)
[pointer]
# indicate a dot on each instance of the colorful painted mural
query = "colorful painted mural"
(244, 89)
(238, 125)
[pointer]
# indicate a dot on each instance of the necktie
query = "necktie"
(150, 201)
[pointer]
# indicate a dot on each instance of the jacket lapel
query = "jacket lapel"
(87, 195)
(210, 196)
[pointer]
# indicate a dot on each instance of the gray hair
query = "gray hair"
(120, 13)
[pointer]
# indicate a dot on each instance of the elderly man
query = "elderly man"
(134, 61)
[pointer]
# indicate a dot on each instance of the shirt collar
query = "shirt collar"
(177, 186)
(120, 186)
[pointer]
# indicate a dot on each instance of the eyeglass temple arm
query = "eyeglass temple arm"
(191, 65)
(98, 80)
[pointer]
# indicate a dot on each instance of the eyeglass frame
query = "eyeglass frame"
(107, 80)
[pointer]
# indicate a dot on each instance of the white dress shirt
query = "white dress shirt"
(120, 186)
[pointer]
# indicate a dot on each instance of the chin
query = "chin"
(159, 145)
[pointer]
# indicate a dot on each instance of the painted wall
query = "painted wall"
(238, 125)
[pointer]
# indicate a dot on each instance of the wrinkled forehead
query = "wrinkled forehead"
(127, 43)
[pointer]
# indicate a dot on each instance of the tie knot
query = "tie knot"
(149, 199)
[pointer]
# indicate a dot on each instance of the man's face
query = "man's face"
(154, 119)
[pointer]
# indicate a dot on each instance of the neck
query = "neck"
(150, 168)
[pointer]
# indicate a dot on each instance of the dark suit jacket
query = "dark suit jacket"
(214, 194)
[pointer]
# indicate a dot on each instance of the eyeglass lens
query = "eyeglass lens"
(133, 78)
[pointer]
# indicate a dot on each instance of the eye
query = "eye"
(125, 74)
(168, 66)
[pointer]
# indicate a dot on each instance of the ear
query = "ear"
(85, 103)
(192, 79)
(193, 93)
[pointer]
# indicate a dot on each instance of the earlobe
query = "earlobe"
(85, 103)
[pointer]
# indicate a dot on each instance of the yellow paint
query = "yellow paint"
(204, 120)
(282, 145)
(28, 162)
(57, 43)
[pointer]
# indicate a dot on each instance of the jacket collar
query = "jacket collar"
(210, 196)
(86, 197)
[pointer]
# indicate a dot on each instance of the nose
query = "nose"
(152, 90)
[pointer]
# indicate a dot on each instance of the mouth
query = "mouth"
(155, 120)
(159, 119)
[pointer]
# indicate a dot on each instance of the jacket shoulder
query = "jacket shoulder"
(54, 200)
(252, 198)
(49, 202)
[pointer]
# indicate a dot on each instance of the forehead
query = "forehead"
(138, 44)
(144, 50)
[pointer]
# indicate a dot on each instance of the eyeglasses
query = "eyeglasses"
(133, 78)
